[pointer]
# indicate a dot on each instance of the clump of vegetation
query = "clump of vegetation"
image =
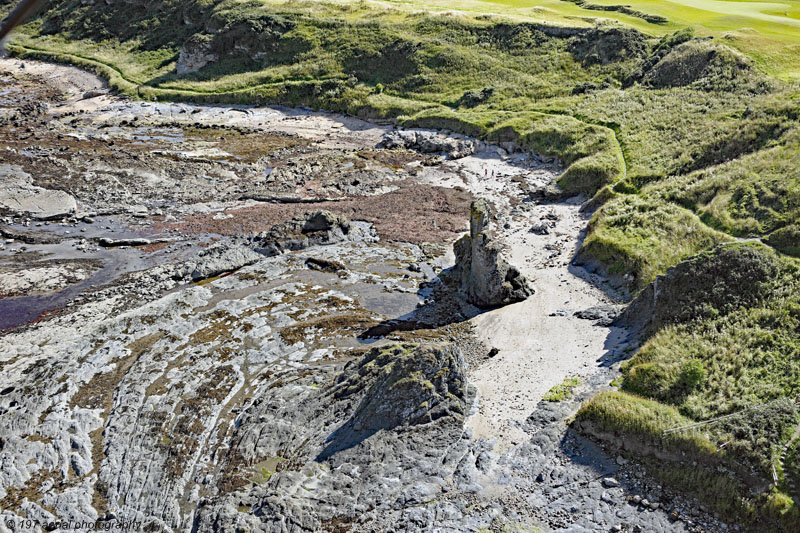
(562, 391)
(719, 463)
(641, 238)
(264, 470)
(475, 98)
(786, 240)
(725, 346)
(747, 354)
(701, 63)
(607, 44)
(621, 413)
(730, 277)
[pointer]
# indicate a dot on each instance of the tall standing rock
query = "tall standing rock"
(485, 278)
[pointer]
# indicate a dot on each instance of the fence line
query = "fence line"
(666, 432)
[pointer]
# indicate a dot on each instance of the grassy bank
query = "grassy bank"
(724, 353)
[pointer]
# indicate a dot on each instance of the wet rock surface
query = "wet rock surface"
(19, 195)
(219, 376)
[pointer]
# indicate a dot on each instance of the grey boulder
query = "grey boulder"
(312, 229)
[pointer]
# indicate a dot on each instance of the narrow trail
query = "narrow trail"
(539, 341)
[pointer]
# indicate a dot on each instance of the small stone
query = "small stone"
(610, 482)
(541, 228)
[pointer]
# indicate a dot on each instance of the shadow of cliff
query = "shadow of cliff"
(443, 306)
(343, 438)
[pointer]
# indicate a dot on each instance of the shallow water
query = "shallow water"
(116, 262)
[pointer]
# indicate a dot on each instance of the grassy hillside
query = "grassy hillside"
(767, 31)
(725, 344)
(683, 123)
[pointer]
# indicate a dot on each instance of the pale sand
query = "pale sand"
(536, 349)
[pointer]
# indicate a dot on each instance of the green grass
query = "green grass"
(640, 237)
(562, 391)
(645, 420)
(792, 464)
(264, 470)
(728, 345)
(714, 153)
(712, 463)
(767, 31)
(752, 195)
(748, 350)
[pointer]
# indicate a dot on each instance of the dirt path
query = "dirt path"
(539, 340)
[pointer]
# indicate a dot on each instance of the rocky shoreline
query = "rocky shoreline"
(231, 318)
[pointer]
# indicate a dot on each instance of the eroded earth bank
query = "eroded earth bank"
(256, 319)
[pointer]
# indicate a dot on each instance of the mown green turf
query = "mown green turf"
(767, 31)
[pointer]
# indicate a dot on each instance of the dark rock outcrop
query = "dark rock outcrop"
(484, 277)
(429, 142)
(404, 385)
(603, 315)
(311, 229)
(389, 420)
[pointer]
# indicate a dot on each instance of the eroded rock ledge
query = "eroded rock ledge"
(311, 229)
(383, 431)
